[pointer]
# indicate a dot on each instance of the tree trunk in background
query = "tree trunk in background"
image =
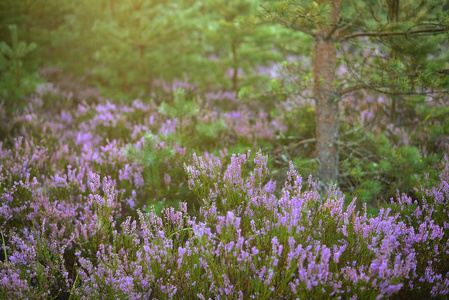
(326, 97)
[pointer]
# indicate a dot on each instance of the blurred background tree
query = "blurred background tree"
(126, 46)
(15, 81)
(238, 44)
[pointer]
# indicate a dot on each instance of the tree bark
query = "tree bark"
(326, 96)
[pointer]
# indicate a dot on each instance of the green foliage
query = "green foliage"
(163, 170)
(368, 190)
(15, 80)
(125, 46)
(241, 43)
(305, 165)
(297, 141)
(209, 133)
(374, 169)
(181, 109)
(402, 63)
(306, 14)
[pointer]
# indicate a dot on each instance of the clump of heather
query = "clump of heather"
(251, 239)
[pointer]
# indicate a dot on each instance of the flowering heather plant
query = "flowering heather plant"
(249, 240)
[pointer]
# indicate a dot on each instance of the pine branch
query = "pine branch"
(364, 85)
(353, 88)
(348, 25)
(295, 145)
(394, 33)
(302, 29)
(291, 23)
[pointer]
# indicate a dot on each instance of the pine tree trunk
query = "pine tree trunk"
(326, 97)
